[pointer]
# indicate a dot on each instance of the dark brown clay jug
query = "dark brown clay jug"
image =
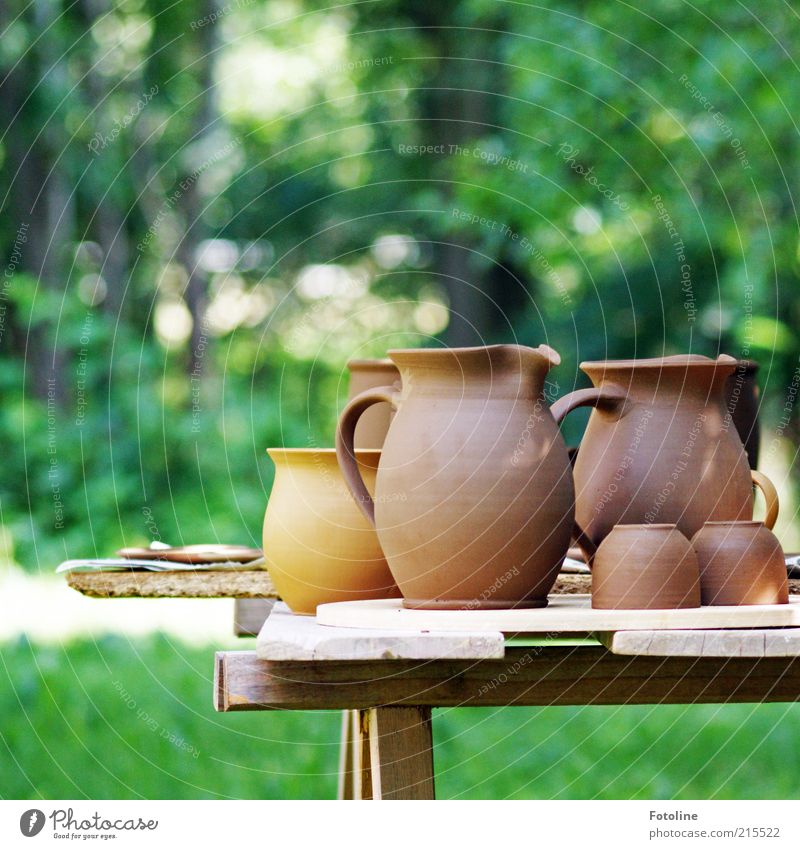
(660, 447)
(474, 501)
(743, 403)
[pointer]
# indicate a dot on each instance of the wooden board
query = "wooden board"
(250, 614)
(755, 642)
(285, 636)
(564, 614)
(571, 584)
(563, 675)
(200, 584)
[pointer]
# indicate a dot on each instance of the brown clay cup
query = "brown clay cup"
(645, 567)
(740, 563)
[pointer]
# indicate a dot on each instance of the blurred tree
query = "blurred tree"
(209, 208)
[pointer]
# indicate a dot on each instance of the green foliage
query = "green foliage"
(204, 219)
(106, 719)
(633, 170)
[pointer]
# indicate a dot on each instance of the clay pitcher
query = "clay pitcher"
(474, 498)
(374, 424)
(660, 447)
(743, 403)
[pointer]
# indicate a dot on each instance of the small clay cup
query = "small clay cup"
(645, 567)
(740, 563)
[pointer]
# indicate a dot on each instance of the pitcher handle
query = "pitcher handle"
(770, 496)
(345, 443)
(609, 395)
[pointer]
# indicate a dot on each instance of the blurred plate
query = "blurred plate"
(209, 553)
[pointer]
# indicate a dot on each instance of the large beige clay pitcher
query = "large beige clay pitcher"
(474, 498)
(660, 447)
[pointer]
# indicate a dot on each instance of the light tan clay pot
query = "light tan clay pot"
(374, 424)
(645, 567)
(474, 496)
(661, 447)
(317, 544)
(740, 563)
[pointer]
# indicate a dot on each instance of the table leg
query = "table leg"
(362, 763)
(401, 752)
(249, 614)
(347, 755)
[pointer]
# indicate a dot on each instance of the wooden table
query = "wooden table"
(387, 750)
(387, 697)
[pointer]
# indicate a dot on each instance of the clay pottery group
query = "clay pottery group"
(373, 426)
(645, 567)
(474, 499)
(740, 563)
(660, 447)
(318, 546)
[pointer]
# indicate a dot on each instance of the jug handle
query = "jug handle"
(609, 395)
(345, 443)
(770, 496)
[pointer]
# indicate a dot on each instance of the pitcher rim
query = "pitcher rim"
(545, 351)
(280, 451)
(681, 361)
(366, 362)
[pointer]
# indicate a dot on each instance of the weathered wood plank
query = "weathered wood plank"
(753, 642)
(231, 584)
(565, 675)
(250, 614)
(401, 753)
(201, 584)
(285, 636)
(571, 584)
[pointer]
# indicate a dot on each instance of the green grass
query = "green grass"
(126, 719)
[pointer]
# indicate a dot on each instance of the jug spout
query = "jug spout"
(491, 371)
(551, 355)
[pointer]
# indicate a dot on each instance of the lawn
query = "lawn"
(114, 718)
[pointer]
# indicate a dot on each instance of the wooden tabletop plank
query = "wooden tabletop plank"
(199, 584)
(751, 642)
(285, 636)
(562, 675)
